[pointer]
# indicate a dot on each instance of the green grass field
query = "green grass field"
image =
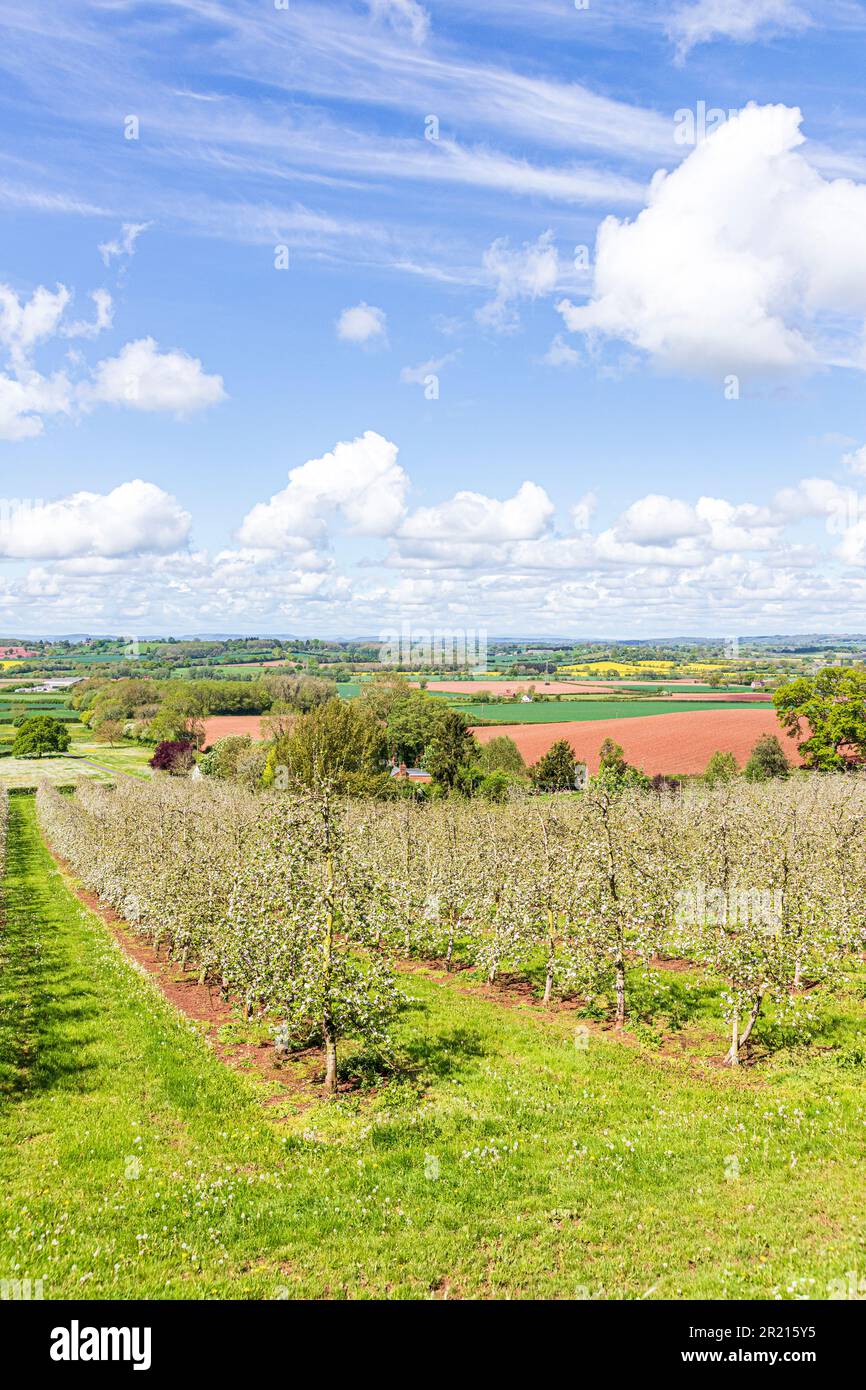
(87, 761)
(59, 771)
(502, 1158)
(129, 758)
(568, 711)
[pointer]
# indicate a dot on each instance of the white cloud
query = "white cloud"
(741, 20)
(474, 517)
(656, 520)
(361, 480)
(811, 497)
(25, 399)
(124, 244)
(144, 378)
(406, 16)
(140, 376)
(134, 517)
(417, 376)
(104, 318)
(561, 354)
(582, 511)
(527, 273)
(856, 460)
(666, 565)
(362, 324)
(24, 324)
(745, 259)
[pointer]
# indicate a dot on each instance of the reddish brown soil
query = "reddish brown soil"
(202, 1003)
(670, 743)
(220, 725)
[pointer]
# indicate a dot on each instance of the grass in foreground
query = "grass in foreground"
(507, 1159)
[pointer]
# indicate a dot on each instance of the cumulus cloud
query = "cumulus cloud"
(745, 259)
(360, 480)
(24, 324)
(406, 16)
(144, 378)
(742, 20)
(856, 460)
(811, 497)
(666, 563)
(582, 511)
(133, 518)
(528, 272)
(655, 520)
(657, 529)
(470, 516)
(140, 376)
(25, 399)
(362, 324)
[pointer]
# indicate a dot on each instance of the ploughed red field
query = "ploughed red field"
(654, 742)
(497, 687)
(221, 725)
(672, 743)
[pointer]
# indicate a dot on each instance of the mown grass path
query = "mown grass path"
(504, 1159)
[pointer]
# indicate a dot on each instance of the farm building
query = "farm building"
(410, 774)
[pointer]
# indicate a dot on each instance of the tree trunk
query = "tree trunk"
(619, 1017)
(753, 1018)
(330, 1054)
(733, 1057)
(328, 1033)
(551, 950)
(548, 983)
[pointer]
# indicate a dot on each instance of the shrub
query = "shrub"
(722, 767)
(174, 756)
(767, 760)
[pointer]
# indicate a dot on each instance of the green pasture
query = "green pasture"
(579, 711)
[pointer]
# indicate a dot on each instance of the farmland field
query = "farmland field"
(125, 758)
(221, 725)
(654, 735)
(567, 711)
(576, 686)
(59, 770)
(667, 743)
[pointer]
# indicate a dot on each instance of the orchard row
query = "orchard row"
(300, 905)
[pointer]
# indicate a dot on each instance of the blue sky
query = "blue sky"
(512, 376)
